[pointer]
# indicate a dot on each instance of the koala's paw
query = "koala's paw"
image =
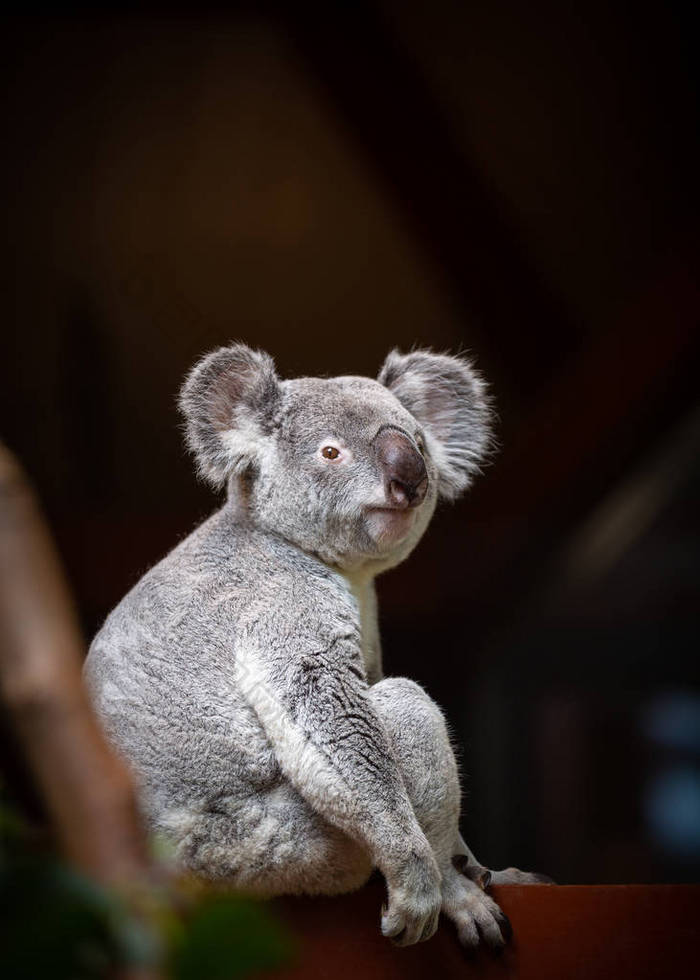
(475, 914)
(414, 904)
(485, 877)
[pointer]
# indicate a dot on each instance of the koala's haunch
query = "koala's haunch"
(242, 677)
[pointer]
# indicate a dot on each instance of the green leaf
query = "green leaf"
(228, 937)
(53, 924)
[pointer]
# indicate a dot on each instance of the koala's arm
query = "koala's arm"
(301, 669)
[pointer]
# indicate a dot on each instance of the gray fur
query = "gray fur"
(448, 396)
(241, 677)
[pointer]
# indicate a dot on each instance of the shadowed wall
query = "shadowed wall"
(327, 185)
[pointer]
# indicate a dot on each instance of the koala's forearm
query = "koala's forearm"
(331, 745)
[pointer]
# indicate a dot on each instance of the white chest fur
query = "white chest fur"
(362, 588)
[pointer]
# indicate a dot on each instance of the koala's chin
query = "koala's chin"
(395, 532)
(389, 527)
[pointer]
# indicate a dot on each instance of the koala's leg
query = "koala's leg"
(265, 844)
(421, 746)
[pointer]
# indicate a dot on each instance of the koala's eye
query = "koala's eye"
(330, 452)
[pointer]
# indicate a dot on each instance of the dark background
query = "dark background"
(327, 182)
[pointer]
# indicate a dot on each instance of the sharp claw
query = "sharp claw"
(475, 872)
(505, 926)
(484, 879)
(460, 862)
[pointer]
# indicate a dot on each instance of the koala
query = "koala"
(242, 676)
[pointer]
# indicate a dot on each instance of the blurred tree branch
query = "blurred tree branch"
(88, 791)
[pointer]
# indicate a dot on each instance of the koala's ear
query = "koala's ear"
(447, 396)
(230, 400)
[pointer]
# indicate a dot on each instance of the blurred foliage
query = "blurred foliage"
(228, 937)
(58, 924)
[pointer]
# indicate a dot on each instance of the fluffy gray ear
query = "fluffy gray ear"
(229, 399)
(447, 396)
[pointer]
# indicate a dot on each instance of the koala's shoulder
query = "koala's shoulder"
(289, 586)
(246, 575)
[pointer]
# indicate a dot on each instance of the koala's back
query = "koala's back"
(160, 671)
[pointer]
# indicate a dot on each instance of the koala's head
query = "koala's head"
(347, 468)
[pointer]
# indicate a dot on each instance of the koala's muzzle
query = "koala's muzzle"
(402, 467)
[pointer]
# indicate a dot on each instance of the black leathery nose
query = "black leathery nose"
(403, 469)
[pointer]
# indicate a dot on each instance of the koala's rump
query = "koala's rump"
(160, 674)
(161, 671)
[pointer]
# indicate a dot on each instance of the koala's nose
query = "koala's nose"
(403, 469)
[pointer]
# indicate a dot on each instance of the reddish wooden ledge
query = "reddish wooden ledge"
(561, 932)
